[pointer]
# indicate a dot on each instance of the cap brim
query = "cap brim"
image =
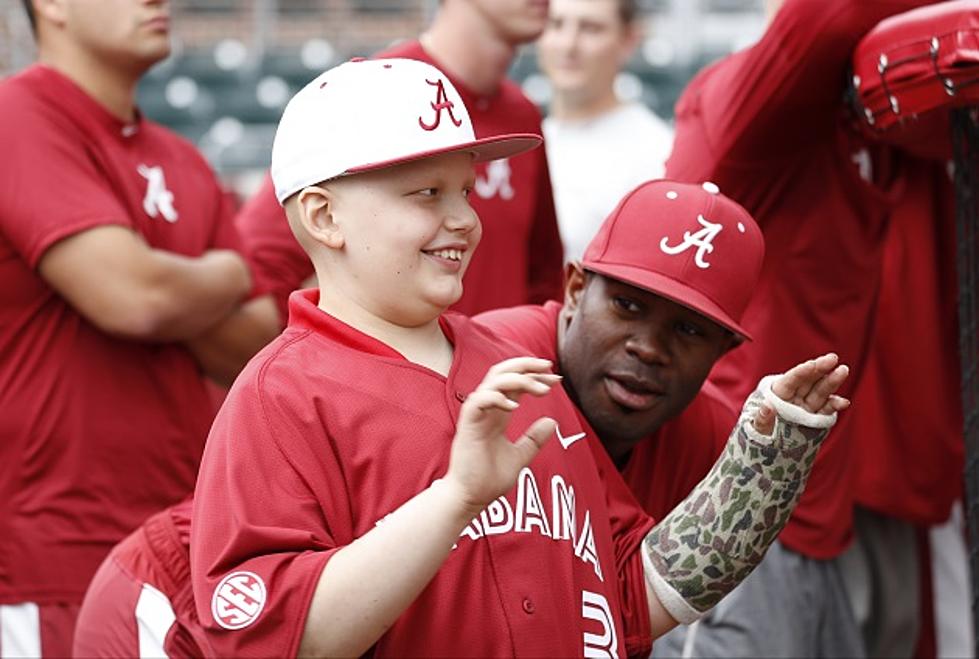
(488, 148)
(669, 288)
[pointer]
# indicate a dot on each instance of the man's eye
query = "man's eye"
(625, 304)
(688, 329)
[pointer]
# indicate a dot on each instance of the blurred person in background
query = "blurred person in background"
(520, 257)
(770, 126)
(116, 245)
(598, 146)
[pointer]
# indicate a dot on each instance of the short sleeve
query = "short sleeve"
(57, 187)
(260, 537)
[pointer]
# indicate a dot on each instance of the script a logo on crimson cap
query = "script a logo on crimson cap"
(238, 600)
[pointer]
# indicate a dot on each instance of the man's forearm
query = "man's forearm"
(713, 539)
(224, 349)
(186, 296)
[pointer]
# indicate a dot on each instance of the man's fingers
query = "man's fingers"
(534, 438)
(824, 387)
(764, 421)
(835, 404)
(796, 383)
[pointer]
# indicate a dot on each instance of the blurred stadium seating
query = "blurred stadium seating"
(235, 63)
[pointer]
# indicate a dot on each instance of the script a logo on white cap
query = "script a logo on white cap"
(238, 600)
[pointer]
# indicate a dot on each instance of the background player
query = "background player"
(115, 246)
(769, 126)
(598, 146)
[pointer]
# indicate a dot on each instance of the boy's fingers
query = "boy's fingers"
(481, 401)
(520, 365)
(531, 441)
(835, 404)
(515, 384)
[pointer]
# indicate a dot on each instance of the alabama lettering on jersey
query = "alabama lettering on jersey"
(550, 568)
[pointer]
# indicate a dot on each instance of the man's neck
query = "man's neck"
(469, 52)
(578, 107)
(112, 87)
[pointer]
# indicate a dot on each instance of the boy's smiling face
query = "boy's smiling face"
(408, 235)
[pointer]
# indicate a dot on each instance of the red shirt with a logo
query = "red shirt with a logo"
(96, 433)
(768, 125)
(520, 257)
(327, 431)
(665, 466)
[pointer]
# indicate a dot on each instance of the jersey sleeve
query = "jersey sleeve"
(629, 526)
(57, 188)
(782, 93)
(545, 252)
(262, 525)
(279, 263)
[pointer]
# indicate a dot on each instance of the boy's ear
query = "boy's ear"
(316, 216)
(574, 284)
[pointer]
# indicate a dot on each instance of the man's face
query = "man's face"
(515, 21)
(584, 45)
(632, 359)
(130, 31)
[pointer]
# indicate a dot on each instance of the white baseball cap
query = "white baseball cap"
(368, 114)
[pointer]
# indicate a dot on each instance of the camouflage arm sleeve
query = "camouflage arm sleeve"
(716, 536)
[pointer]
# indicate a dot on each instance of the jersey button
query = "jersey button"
(528, 605)
(461, 397)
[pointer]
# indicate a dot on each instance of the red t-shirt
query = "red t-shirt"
(97, 432)
(664, 467)
(327, 431)
(520, 257)
(768, 126)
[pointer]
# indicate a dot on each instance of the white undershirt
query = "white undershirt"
(594, 162)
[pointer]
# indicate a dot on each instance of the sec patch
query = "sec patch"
(238, 600)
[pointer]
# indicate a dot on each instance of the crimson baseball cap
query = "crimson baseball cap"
(369, 114)
(686, 242)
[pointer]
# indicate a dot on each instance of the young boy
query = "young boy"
(336, 514)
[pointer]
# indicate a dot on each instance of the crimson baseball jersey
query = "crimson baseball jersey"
(907, 414)
(665, 466)
(768, 125)
(327, 431)
(97, 432)
(520, 256)
(144, 583)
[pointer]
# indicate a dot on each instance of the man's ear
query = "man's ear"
(316, 206)
(574, 284)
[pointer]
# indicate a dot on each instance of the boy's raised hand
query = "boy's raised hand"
(484, 463)
(811, 385)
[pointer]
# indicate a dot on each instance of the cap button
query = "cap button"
(711, 187)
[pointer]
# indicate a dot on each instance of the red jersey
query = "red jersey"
(520, 256)
(768, 126)
(327, 431)
(97, 432)
(907, 413)
(662, 468)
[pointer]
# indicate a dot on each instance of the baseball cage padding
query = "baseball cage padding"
(965, 146)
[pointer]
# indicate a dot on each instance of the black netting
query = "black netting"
(965, 135)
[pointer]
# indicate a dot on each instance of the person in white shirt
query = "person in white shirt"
(599, 147)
